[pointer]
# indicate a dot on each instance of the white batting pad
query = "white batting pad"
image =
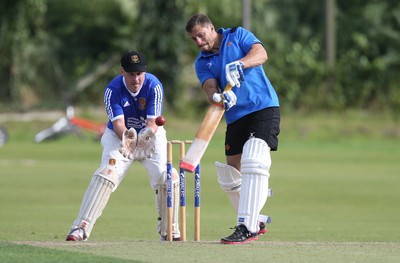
(255, 165)
(161, 205)
(230, 179)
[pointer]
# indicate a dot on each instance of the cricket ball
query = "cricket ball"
(160, 120)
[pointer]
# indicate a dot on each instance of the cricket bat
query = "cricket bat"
(203, 136)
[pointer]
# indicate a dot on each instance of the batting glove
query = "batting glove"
(229, 99)
(234, 73)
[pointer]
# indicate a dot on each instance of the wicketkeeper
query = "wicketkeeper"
(132, 101)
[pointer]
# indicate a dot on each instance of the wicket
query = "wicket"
(182, 193)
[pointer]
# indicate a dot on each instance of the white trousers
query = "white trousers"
(155, 165)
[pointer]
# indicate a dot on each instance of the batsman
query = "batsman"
(234, 57)
(132, 101)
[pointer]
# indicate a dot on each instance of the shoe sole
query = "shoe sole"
(74, 238)
(71, 238)
(223, 241)
(174, 239)
(262, 232)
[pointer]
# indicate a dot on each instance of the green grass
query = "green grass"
(335, 180)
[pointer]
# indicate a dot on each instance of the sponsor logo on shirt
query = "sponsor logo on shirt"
(209, 63)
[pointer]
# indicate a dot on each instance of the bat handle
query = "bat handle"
(228, 87)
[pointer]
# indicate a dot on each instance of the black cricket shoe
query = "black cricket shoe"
(240, 236)
(164, 238)
(262, 230)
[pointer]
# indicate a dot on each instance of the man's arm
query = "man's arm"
(235, 70)
(151, 124)
(256, 56)
(210, 86)
(119, 127)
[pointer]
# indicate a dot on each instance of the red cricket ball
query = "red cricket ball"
(160, 120)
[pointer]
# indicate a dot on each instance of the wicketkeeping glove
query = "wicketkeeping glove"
(146, 144)
(234, 73)
(128, 143)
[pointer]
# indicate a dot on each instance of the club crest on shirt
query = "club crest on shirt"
(142, 103)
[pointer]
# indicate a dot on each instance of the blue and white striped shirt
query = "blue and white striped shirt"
(136, 109)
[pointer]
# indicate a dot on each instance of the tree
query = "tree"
(160, 36)
(369, 53)
(86, 43)
(57, 47)
(21, 23)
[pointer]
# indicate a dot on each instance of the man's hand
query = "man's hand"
(128, 144)
(234, 73)
(229, 99)
(145, 145)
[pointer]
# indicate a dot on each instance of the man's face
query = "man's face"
(134, 80)
(203, 37)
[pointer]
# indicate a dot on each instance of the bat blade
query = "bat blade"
(203, 136)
